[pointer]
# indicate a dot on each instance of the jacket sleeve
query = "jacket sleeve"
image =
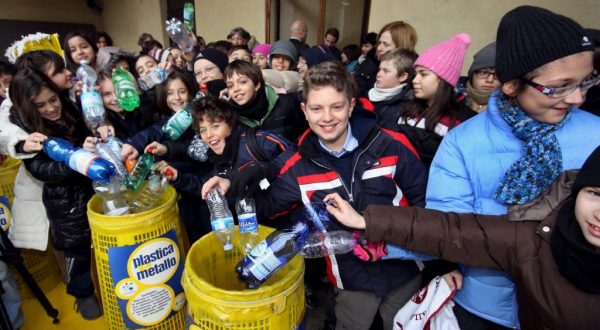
(177, 150)
(282, 196)
(189, 183)
(449, 187)
(273, 144)
(140, 140)
(411, 177)
(485, 241)
(47, 170)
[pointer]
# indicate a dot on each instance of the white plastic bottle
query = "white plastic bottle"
(221, 219)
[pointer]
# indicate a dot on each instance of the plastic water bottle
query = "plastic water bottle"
(188, 16)
(138, 174)
(105, 150)
(79, 160)
(179, 122)
(198, 149)
(178, 33)
(221, 219)
(248, 224)
(91, 101)
(271, 254)
(149, 196)
(125, 90)
(155, 77)
(112, 201)
(319, 244)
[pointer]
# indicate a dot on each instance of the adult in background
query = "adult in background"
(298, 33)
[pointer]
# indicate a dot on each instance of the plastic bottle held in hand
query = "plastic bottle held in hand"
(221, 219)
(188, 16)
(155, 77)
(79, 160)
(104, 150)
(138, 174)
(198, 149)
(272, 253)
(149, 196)
(112, 201)
(179, 122)
(178, 33)
(248, 224)
(91, 101)
(321, 244)
(125, 90)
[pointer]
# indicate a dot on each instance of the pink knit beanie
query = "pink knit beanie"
(446, 59)
(264, 49)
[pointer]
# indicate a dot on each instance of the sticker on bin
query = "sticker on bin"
(5, 215)
(221, 223)
(147, 280)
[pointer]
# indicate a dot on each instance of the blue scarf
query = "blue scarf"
(541, 163)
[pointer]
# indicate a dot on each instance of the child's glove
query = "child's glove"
(368, 251)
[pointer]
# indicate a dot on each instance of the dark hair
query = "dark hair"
(369, 38)
(143, 37)
(239, 47)
(38, 62)
(403, 59)
(352, 52)
(247, 69)
(97, 35)
(122, 56)
(241, 32)
(215, 110)
(222, 45)
(333, 32)
(71, 65)
(147, 46)
(25, 86)
(333, 74)
(103, 75)
(135, 73)
(7, 68)
(443, 105)
(162, 89)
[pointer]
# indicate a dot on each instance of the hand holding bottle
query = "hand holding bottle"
(34, 142)
(215, 182)
(157, 149)
(343, 212)
(166, 170)
(129, 152)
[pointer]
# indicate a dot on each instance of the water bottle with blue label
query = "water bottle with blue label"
(271, 254)
(221, 219)
(248, 224)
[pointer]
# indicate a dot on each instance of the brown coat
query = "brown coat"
(521, 248)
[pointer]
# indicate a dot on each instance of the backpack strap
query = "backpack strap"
(255, 149)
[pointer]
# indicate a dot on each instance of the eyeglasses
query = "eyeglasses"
(485, 74)
(564, 91)
(206, 71)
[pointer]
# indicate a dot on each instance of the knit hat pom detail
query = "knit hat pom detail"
(464, 38)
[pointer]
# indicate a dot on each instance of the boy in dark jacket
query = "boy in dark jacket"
(345, 151)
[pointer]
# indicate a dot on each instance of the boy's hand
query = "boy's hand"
(157, 149)
(166, 170)
(343, 212)
(215, 181)
(129, 152)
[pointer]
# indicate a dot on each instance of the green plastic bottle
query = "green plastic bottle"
(188, 16)
(139, 172)
(125, 90)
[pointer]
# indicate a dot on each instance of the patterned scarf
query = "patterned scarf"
(541, 163)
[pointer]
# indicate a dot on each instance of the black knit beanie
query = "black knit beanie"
(589, 175)
(529, 37)
(215, 56)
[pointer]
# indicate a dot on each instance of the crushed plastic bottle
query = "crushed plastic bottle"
(178, 33)
(93, 111)
(319, 244)
(221, 219)
(198, 149)
(79, 160)
(248, 224)
(125, 90)
(155, 77)
(149, 196)
(112, 201)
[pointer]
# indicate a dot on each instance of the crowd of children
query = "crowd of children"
(375, 124)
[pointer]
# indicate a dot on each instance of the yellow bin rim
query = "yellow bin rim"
(295, 271)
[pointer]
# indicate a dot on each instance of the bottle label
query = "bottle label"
(124, 84)
(80, 161)
(221, 223)
(262, 261)
(248, 223)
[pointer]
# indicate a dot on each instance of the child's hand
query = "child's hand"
(90, 143)
(166, 170)
(129, 152)
(157, 149)
(34, 142)
(343, 212)
(216, 181)
(105, 131)
(78, 88)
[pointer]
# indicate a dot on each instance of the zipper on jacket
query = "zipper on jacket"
(356, 163)
(349, 192)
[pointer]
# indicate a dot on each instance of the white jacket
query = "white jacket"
(30, 225)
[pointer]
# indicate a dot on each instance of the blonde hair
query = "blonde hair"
(403, 34)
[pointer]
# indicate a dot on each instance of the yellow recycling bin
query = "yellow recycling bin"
(41, 264)
(140, 261)
(218, 300)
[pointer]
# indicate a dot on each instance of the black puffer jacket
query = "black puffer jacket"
(66, 192)
(388, 111)
(365, 75)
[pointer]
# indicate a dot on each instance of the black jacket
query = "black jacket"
(388, 111)
(365, 75)
(66, 192)
(299, 45)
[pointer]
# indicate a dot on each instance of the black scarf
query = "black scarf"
(256, 109)
(578, 261)
(224, 163)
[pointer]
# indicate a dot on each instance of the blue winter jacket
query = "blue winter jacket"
(464, 175)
